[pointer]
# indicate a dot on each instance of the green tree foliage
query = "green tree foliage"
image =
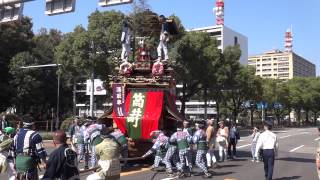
(245, 87)
(193, 61)
(15, 37)
(35, 89)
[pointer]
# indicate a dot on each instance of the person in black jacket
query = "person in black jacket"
(62, 163)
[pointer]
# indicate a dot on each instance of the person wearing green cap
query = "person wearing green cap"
(6, 161)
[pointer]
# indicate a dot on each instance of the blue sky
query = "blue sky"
(262, 21)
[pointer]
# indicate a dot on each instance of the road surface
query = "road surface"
(296, 161)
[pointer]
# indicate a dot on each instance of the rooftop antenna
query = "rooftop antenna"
(219, 12)
(288, 40)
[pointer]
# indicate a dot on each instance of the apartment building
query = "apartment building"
(282, 65)
(227, 37)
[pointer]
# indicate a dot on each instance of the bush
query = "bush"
(66, 124)
(46, 136)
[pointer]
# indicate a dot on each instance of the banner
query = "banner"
(98, 87)
(144, 114)
(119, 99)
(137, 108)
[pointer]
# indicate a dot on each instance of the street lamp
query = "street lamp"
(58, 88)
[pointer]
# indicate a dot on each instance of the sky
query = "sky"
(264, 22)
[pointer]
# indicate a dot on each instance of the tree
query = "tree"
(191, 56)
(15, 37)
(245, 87)
(35, 89)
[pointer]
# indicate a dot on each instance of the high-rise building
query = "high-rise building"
(227, 37)
(282, 65)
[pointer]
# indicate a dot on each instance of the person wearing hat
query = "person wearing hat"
(122, 141)
(183, 140)
(222, 140)
(28, 150)
(159, 147)
(92, 131)
(200, 140)
(268, 143)
(6, 161)
(171, 156)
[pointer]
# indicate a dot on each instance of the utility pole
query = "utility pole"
(92, 79)
(58, 88)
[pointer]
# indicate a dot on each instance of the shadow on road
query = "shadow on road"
(220, 173)
(228, 166)
(288, 178)
(293, 159)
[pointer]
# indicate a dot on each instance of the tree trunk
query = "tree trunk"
(307, 116)
(218, 110)
(74, 110)
(251, 117)
(299, 116)
(315, 118)
(183, 99)
(205, 94)
(289, 110)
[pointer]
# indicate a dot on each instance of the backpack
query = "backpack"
(70, 165)
(237, 135)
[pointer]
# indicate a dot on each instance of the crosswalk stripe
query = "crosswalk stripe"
(316, 139)
(239, 147)
(285, 136)
(292, 150)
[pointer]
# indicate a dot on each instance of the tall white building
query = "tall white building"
(227, 37)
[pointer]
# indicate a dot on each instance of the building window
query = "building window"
(283, 69)
(235, 40)
(217, 33)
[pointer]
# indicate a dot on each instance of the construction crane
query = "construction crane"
(12, 10)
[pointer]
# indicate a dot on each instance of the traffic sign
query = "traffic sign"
(105, 3)
(54, 7)
(262, 105)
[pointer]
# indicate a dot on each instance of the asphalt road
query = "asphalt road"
(296, 160)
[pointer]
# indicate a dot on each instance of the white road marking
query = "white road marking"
(316, 139)
(292, 150)
(170, 178)
(305, 133)
(281, 131)
(285, 136)
(239, 147)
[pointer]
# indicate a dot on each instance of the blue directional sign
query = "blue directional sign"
(277, 105)
(262, 105)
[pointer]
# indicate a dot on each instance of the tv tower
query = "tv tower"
(219, 12)
(288, 40)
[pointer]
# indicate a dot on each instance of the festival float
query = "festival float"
(144, 90)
